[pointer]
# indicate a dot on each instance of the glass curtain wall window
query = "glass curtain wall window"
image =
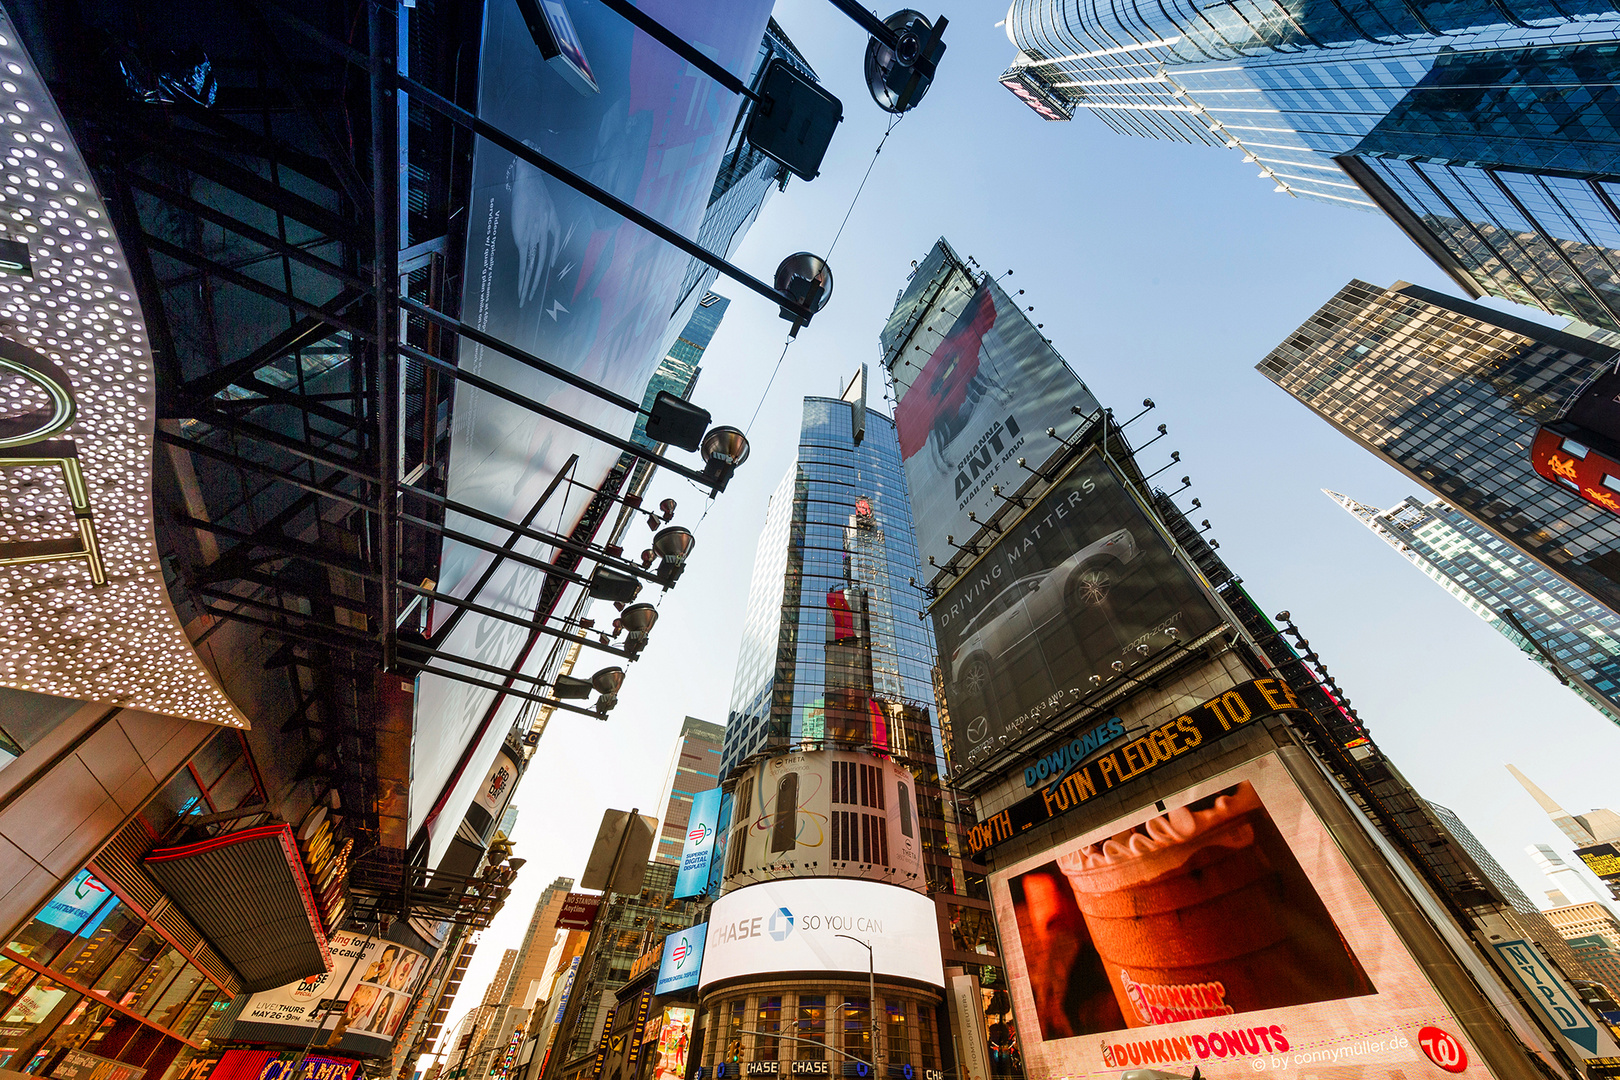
(896, 1037)
(87, 972)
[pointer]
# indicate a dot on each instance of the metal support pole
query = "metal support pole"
(385, 286)
(871, 1003)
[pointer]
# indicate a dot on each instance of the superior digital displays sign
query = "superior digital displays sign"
(1082, 586)
(682, 960)
(1220, 929)
(702, 830)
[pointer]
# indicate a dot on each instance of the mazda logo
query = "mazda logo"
(978, 729)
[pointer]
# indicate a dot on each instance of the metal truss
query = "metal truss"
(293, 224)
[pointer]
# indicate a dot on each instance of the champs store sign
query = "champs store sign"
(1209, 722)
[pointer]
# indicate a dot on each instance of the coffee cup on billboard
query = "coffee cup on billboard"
(1204, 912)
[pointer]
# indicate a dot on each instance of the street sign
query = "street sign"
(1558, 1003)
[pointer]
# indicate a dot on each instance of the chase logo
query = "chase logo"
(699, 834)
(781, 924)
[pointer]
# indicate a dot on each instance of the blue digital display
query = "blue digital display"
(683, 959)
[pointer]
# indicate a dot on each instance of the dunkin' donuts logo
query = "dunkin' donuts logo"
(1243, 1042)
(1155, 1004)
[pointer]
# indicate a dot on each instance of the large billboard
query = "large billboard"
(1079, 589)
(563, 278)
(793, 926)
(674, 1044)
(375, 980)
(978, 386)
(1221, 927)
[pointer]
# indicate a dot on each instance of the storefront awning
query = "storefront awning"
(248, 894)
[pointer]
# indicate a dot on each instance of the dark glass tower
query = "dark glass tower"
(1575, 639)
(1451, 394)
(1488, 132)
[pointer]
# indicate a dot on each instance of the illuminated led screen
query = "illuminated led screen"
(1225, 932)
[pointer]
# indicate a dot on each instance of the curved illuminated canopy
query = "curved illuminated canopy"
(77, 423)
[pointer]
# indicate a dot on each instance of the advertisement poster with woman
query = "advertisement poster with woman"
(375, 997)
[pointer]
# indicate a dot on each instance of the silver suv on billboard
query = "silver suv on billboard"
(1013, 623)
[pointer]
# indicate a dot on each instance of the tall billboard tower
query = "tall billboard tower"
(1197, 856)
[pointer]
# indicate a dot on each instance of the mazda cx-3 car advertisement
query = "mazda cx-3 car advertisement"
(1079, 590)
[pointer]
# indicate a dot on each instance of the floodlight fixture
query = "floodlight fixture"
(569, 687)
(723, 449)
(672, 545)
(677, 422)
(638, 619)
(608, 583)
(807, 280)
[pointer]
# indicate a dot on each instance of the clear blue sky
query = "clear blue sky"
(1159, 270)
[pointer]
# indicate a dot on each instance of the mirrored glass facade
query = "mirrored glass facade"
(1487, 575)
(834, 651)
(1451, 394)
(1489, 132)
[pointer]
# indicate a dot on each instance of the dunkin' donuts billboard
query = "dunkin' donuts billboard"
(1222, 927)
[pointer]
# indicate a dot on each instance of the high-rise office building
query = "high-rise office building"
(1451, 394)
(693, 767)
(1586, 918)
(1525, 914)
(1482, 130)
(1582, 830)
(1573, 638)
(1601, 960)
(1568, 886)
(538, 941)
(832, 622)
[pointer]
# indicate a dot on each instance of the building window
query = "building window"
(144, 995)
(896, 1039)
(768, 1021)
(812, 1027)
(925, 1033)
(857, 1025)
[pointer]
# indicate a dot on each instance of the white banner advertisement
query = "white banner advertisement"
(376, 995)
(793, 925)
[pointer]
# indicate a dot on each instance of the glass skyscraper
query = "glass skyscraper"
(1582, 638)
(834, 654)
(1486, 131)
(1525, 913)
(1451, 394)
(832, 623)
